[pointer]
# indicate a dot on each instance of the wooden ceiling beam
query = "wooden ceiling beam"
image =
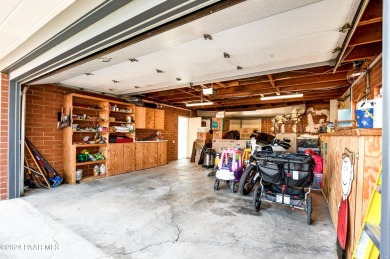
(243, 88)
(312, 79)
(367, 51)
(180, 97)
(221, 84)
(249, 91)
(366, 34)
(315, 71)
(373, 12)
(257, 99)
(273, 84)
(313, 86)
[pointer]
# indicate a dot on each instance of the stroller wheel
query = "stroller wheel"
(308, 210)
(246, 183)
(216, 184)
(257, 198)
(233, 186)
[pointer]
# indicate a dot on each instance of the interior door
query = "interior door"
(182, 137)
(193, 125)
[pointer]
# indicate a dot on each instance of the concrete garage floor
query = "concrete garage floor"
(165, 212)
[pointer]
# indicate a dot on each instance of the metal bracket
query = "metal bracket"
(345, 28)
(207, 37)
(338, 49)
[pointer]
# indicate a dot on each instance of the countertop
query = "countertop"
(355, 132)
(151, 141)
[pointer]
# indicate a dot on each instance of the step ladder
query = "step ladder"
(368, 245)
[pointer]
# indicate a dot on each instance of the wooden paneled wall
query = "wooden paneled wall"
(368, 162)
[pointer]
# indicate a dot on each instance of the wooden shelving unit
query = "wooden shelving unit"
(91, 162)
(82, 105)
(121, 112)
(90, 145)
(91, 177)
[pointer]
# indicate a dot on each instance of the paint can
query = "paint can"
(79, 174)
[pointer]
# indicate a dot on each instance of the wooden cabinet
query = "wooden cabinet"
(148, 118)
(121, 159)
(366, 147)
(140, 120)
(128, 157)
(150, 154)
(162, 155)
(141, 160)
(159, 119)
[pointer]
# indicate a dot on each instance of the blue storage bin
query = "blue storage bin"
(365, 118)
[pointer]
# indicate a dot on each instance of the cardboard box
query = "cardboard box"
(204, 135)
(203, 129)
(219, 134)
(245, 133)
(220, 124)
(243, 144)
(220, 144)
(199, 143)
(197, 158)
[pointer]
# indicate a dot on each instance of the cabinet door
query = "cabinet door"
(149, 118)
(115, 159)
(152, 154)
(162, 153)
(140, 117)
(141, 156)
(128, 157)
(159, 119)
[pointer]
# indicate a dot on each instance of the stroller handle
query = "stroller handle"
(286, 158)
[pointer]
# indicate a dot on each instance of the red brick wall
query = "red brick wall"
(45, 101)
(266, 123)
(4, 137)
(359, 90)
(170, 131)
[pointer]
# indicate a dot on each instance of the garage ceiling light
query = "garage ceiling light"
(199, 104)
(105, 60)
(208, 91)
(288, 96)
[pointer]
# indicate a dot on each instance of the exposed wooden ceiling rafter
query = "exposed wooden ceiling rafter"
(318, 84)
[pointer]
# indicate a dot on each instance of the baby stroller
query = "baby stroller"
(283, 180)
(229, 168)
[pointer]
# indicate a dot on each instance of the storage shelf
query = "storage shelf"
(122, 122)
(122, 132)
(101, 132)
(89, 109)
(88, 120)
(122, 112)
(91, 162)
(90, 145)
(91, 177)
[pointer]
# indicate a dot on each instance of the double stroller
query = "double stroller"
(285, 179)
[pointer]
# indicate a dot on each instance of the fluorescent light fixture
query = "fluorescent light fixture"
(208, 91)
(266, 98)
(198, 104)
